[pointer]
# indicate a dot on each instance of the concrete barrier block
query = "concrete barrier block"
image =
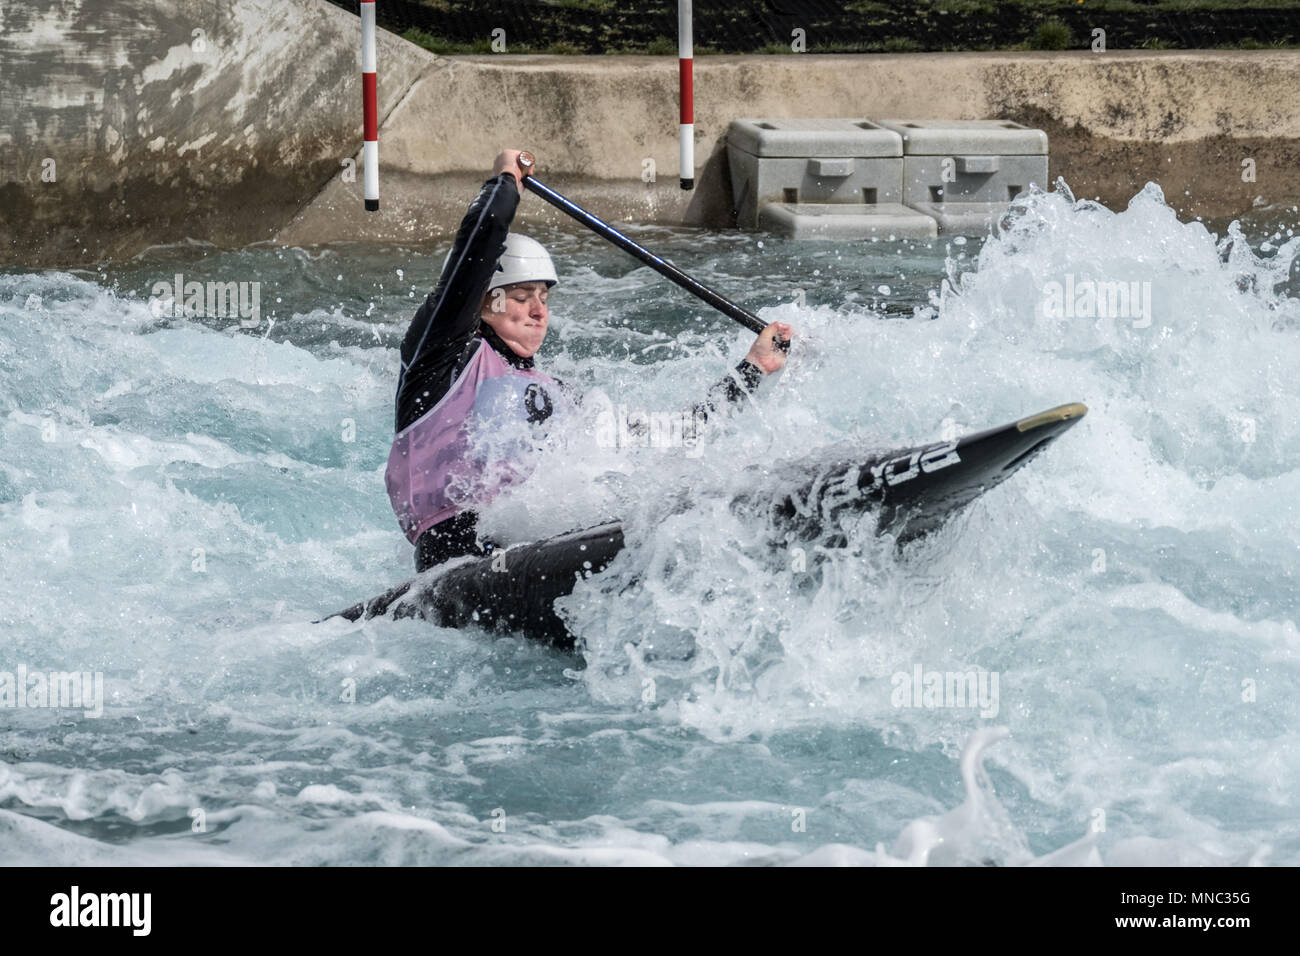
(848, 160)
(968, 137)
(970, 163)
(846, 221)
(849, 136)
(962, 218)
(937, 179)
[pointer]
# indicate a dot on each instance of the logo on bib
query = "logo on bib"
(538, 403)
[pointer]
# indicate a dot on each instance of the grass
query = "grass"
(443, 46)
(590, 6)
(1052, 35)
(662, 46)
(647, 27)
(901, 45)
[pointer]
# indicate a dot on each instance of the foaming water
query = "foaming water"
(181, 497)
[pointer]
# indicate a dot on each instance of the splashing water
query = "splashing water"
(179, 498)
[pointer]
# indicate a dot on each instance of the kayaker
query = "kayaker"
(467, 362)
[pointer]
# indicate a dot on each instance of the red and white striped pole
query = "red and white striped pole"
(685, 59)
(370, 98)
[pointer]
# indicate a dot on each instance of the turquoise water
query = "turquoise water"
(181, 497)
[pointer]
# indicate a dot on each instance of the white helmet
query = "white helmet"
(525, 260)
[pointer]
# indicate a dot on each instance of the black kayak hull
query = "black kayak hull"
(913, 492)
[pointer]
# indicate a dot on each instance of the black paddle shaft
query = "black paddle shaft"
(666, 269)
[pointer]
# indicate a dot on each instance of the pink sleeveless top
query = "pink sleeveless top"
(438, 465)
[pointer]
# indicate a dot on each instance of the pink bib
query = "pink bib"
(446, 461)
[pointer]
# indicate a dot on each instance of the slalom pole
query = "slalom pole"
(686, 93)
(370, 105)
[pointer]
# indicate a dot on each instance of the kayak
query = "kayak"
(912, 491)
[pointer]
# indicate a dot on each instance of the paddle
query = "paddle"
(603, 229)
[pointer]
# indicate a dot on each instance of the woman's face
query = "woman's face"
(518, 314)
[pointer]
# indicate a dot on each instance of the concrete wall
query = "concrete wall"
(156, 137)
(1114, 122)
(155, 141)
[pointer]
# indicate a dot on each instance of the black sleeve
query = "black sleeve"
(731, 388)
(448, 318)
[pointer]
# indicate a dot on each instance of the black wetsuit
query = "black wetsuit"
(447, 330)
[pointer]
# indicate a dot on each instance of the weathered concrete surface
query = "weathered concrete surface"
(156, 136)
(155, 140)
(1114, 120)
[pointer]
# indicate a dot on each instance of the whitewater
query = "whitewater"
(181, 498)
